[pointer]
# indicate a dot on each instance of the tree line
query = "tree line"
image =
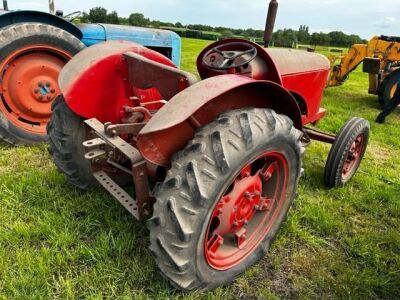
(282, 37)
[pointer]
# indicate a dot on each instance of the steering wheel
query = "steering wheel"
(217, 59)
(72, 16)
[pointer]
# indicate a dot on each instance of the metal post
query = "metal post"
(51, 6)
(270, 24)
(5, 5)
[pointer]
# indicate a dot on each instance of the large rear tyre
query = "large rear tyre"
(66, 133)
(225, 198)
(388, 88)
(31, 58)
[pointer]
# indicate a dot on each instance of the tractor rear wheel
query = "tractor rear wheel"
(66, 133)
(225, 198)
(388, 88)
(31, 58)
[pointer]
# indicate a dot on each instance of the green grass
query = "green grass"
(59, 242)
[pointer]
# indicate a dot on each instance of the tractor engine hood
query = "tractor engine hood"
(165, 42)
(291, 62)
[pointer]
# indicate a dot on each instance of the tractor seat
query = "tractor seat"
(386, 38)
(145, 73)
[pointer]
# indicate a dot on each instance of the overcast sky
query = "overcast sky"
(363, 17)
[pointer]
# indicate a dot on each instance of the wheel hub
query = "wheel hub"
(353, 157)
(243, 215)
(29, 85)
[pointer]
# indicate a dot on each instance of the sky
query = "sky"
(363, 17)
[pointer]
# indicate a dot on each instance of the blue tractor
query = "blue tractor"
(35, 46)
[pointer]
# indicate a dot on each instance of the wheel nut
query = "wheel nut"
(40, 97)
(40, 84)
(48, 97)
(48, 84)
(53, 91)
(36, 91)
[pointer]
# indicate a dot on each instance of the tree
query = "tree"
(137, 19)
(226, 34)
(178, 25)
(98, 15)
(84, 18)
(112, 18)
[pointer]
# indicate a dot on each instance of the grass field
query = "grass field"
(60, 242)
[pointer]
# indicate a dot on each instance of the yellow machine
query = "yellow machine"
(381, 59)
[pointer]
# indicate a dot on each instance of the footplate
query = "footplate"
(118, 193)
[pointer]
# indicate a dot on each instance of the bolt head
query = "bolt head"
(40, 97)
(40, 84)
(53, 91)
(248, 195)
(48, 84)
(36, 91)
(48, 97)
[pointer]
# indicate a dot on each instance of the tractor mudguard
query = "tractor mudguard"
(95, 82)
(174, 125)
(24, 16)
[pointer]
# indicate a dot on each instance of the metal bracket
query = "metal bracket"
(101, 149)
(118, 193)
(118, 129)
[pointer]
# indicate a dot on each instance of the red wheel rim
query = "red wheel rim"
(29, 85)
(246, 211)
(353, 158)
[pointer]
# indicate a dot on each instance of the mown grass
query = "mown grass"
(59, 242)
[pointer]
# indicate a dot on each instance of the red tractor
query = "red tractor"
(214, 163)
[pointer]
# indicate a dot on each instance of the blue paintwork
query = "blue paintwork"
(91, 34)
(149, 37)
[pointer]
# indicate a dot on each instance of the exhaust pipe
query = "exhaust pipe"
(5, 4)
(270, 24)
(51, 7)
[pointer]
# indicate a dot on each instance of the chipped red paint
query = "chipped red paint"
(101, 80)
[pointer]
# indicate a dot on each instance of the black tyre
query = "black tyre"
(347, 152)
(31, 57)
(66, 133)
(225, 198)
(388, 88)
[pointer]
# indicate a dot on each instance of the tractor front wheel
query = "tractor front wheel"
(347, 152)
(31, 58)
(225, 198)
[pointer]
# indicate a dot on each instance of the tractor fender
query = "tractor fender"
(174, 125)
(94, 82)
(22, 16)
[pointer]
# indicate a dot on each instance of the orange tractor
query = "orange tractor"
(214, 163)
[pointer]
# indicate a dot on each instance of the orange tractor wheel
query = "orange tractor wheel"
(31, 57)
